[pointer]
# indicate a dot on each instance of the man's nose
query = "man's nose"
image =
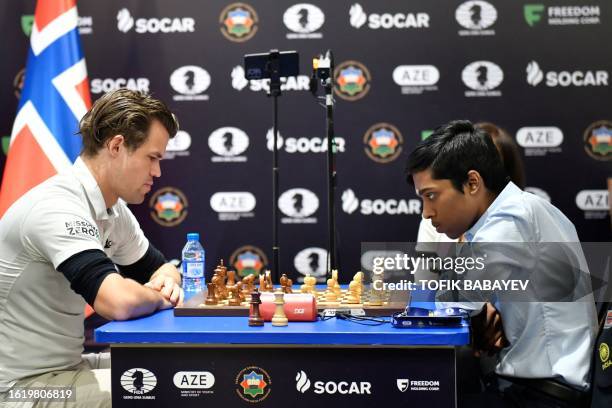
(428, 212)
(156, 169)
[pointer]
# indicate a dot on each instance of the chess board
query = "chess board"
(391, 303)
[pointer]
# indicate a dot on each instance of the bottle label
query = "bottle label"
(193, 269)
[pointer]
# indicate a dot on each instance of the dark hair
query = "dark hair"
(508, 150)
(456, 148)
(123, 112)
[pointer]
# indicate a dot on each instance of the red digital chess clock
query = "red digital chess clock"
(299, 307)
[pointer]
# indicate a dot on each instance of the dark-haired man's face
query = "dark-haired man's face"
(450, 212)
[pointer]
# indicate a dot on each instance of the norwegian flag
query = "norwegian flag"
(55, 97)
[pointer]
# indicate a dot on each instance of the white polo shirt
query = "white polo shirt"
(41, 317)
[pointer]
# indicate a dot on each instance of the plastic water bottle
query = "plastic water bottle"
(193, 257)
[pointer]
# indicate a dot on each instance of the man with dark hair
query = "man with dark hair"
(72, 240)
(466, 193)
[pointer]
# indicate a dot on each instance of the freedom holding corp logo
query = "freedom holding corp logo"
(383, 143)
(298, 204)
(304, 20)
(238, 22)
(483, 77)
(351, 80)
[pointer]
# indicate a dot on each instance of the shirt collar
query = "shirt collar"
(92, 190)
(508, 191)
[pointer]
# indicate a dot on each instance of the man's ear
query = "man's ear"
(114, 144)
(474, 182)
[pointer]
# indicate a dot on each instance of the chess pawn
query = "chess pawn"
(211, 299)
(305, 287)
(279, 318)
(255, 318)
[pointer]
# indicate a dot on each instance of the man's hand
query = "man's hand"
(488, 331)
(167, 287)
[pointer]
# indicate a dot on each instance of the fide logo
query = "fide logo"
(311, 261)
(238, 22)
(476, 17)
(383, 143)
(482, 77)
(168, 207)
(228, 143)
(298, 204)
(178, 145)
(352, 80)
(304, 20)
(248, 260)
(138, 381)
(190, 81)
(253, 384)
(598, 140)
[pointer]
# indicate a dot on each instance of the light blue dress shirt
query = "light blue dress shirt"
(547, 339)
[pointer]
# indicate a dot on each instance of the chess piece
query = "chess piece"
(234, 295)
(255, 318)
(308, 286)
(248, 284)
(337, 289)
(219, 293)
(330, 295)
(231, 278)
(376, 293)
(262, 283)
(286, 284)
(279, 318)
(269, 285)
(359, 279)
(353, 294)
(211, 299)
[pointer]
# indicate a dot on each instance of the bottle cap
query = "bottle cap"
(193, 236)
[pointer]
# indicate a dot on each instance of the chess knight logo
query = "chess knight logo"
(248, 260)
(352, 80)
(253, 384)
(598, 140)
(383, 143)
(190, 81)
(238, 22)
(483, 77)
(298, 204)
(228, 143)
(138, 381)
(303, 19)
(476, 16)
(168, 207)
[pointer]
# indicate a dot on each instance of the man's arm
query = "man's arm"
(119, 298)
